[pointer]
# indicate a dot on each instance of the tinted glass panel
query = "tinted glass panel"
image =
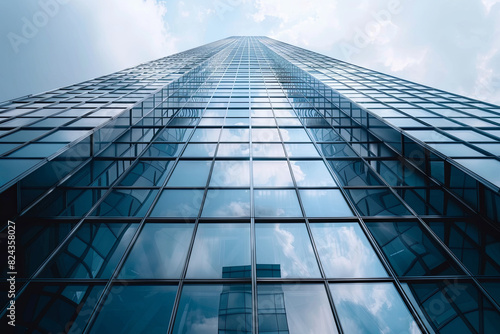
(92, 252)
(227, 203)
(271, 174)
(190, 174)
(214, 309)
(55, 308)
(178, 203)
(276, 203)
(159, 252)
(218, 248)
(324, 203)
(291, 309)
(284, 250)
(230, 174)
(312, 174)
(453, 307)
(410, 251)
(476, 244)
(345, 251)
(120, 313)
(372, 308)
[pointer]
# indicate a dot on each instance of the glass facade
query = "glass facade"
(250, 186)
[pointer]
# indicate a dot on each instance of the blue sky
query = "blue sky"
(448, 44)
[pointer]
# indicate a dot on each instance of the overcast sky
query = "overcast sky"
(448, 44)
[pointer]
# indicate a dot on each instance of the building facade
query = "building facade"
(250, 186)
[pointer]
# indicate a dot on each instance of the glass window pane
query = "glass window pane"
(410, 251)
(120, 313)
(288, 308)
(200, 150)
(215, 309)
(265, 135)
(227, 203)
(486, 168)
(35, 240)
(268, 150)
(456, 150)
(37, 150)
(65, 308)
(164, 150)
(312, 173)
(159, 252)
(337, 150)
(284, 250)
(126, 203)
(12, 168)
(271, 174)
(372, 308)
(147, 173)
(324, 134)
(235, 135)
(174, 134)
(92, 252)
(324, 203)
(236, 121)
(276, 203)
(230, 174)
(453, 307)
(302, 150)
(211, 121)
(190, 174)
(218, 250)
(178, 203)
(475, 243)
(233, 150)
(288, 122)
(205, 135)
(64, 135)
(294, 135)
(345, 251)
(354, 173)
(377, 202)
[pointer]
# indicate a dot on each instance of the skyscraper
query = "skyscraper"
(250, 186)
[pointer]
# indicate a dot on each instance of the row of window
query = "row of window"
(283, 250)
(281, 308)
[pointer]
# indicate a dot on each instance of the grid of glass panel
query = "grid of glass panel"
(459, 136)
(241, 208)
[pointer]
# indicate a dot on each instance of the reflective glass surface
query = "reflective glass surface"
(410, 251)
(218, 247)
(178, 203)
(345, 251)
(214, 308)
(285, 245)
(159, 252)
(324, 203)
(372, 308)
(286, 308)
(271, 174)
(312, 174)
(190, 174)
(59, 308)
(276, 203)
(227, 203)
(92, 252)
(230, 174)
(121, 314)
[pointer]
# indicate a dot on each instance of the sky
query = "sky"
(452, 45)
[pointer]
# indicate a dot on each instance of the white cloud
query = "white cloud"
(449, 45)
(129, 32)
(488, 4)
